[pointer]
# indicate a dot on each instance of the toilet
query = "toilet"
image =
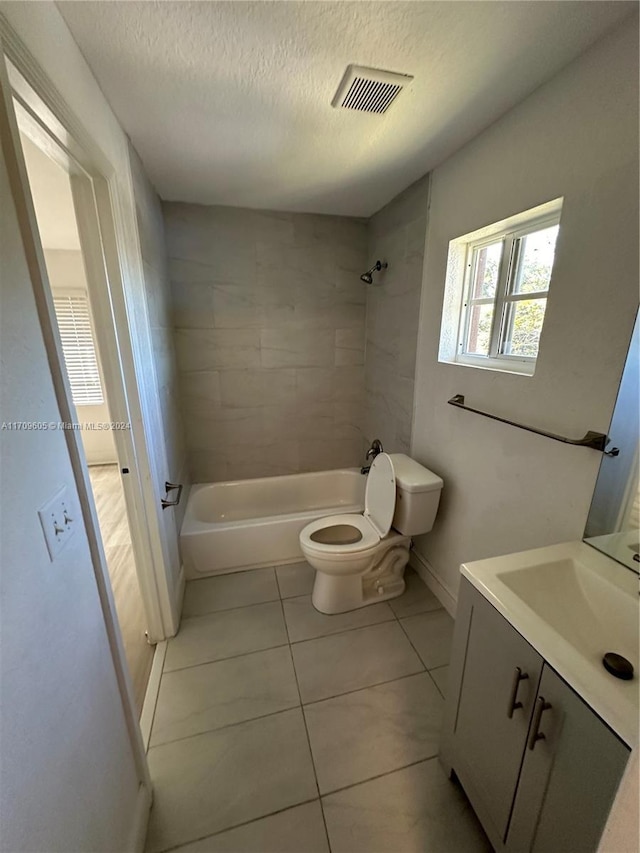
(360, 559)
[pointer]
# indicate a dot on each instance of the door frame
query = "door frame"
(113, 256)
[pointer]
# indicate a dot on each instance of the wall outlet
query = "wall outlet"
(58, 518)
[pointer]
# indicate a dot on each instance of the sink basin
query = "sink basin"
(573, 604)
(591, 613)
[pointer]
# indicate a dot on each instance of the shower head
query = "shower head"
(367, 276)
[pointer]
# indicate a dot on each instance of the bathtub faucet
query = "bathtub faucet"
(372, 452)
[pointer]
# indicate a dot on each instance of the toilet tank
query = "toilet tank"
(417, 496)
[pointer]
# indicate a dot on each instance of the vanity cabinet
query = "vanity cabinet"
(540, 768)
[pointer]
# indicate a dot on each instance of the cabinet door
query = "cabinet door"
(498, 688)
(569, 776)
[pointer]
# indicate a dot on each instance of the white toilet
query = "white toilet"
(360, 559)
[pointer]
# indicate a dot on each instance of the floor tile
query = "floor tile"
(417, 597)
(225, 591)
(332, 665)
(304, 622)
(374, 731)
(431, 635)
(220, 779)
(296, 579)
(297, 830)
(440, 676)
(409, 811)
(225, 634)
(212, 695)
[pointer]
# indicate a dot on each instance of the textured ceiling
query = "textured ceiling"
(52, 199)
(230, 102)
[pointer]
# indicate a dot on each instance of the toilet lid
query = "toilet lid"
(380, 494)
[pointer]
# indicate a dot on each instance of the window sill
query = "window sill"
(515, 368)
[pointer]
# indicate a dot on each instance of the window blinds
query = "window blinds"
(74, 323)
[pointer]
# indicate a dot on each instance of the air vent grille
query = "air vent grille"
(369, 90)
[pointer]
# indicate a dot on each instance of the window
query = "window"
(74, 323)
(501, 275)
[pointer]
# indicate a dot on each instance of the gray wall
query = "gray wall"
(396, 234)
(505, 489)
(158, 292)
(269, 316)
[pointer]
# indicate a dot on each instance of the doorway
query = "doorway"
(56, 209)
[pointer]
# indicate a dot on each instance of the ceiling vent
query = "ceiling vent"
(369, 90)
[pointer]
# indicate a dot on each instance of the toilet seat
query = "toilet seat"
(380, 494)
(373, 525)
(370, 537)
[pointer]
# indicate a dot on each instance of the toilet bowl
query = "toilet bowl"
(360, 559)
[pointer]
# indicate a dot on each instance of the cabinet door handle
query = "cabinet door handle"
(518, 676)
(536, 735)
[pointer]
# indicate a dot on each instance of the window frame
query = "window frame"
(510, 238)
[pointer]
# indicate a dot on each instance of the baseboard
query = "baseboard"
(138, 835)
(431, 579)
(151, 695)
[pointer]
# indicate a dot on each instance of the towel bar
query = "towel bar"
(595, 440)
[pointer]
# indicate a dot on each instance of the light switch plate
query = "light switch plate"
(58, 520)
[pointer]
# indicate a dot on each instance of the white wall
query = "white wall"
(505, 489)
(67, 775)
(66, 272)
(45, 35)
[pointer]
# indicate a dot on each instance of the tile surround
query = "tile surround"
(240, 762)
(270, 308)
(395, 234)
(265, 301)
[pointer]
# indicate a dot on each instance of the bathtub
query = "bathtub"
(246, 524)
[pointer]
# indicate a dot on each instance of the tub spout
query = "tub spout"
(372, 452)
(376, 447)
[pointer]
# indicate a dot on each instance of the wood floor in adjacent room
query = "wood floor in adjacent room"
(116, 537)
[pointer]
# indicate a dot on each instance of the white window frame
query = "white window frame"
(504, 296)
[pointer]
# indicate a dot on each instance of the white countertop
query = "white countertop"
(581, 605)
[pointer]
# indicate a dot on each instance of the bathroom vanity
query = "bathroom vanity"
(537, 731)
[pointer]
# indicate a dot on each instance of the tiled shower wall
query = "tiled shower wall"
(269, 325)
(396, 234)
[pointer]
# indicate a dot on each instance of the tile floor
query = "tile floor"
(280, 730)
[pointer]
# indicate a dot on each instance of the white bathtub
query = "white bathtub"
(246, 524)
